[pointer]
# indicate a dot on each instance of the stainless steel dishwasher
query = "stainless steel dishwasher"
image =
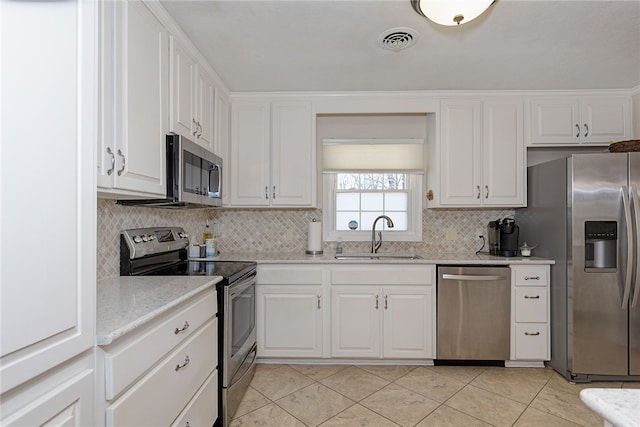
(474, 313)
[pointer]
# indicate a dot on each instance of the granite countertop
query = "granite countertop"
(619, 406)
(126, 303)
(428, 258)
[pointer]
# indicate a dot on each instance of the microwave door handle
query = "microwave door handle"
(636, 211)
(629, 270)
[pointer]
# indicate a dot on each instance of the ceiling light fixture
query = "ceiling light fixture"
(451, 12)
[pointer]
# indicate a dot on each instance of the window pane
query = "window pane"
(372, 202)
(348, 181)
(343, 218)
(400, 220)
(395, 201)
(368, 218)
(347, 201)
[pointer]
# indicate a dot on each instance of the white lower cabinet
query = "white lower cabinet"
(173, 360)
(530, 313)
(383, 312)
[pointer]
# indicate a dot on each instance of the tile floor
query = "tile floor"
(421, 396)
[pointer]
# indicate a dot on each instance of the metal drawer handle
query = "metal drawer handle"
(386, 302)
(532, 335)
(113, 161)
(470, 277)
(486, 191)
(266, 192)
(274, 191)
(184, 328)
(528, 297)
(478, 191)
(532, 278)
(123, 162)
(186, 362)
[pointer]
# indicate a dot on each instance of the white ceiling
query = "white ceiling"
(332, 45)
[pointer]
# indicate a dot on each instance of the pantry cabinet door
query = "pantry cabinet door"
(289, 321)
(355, 321)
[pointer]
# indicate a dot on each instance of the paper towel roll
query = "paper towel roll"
(314, 238)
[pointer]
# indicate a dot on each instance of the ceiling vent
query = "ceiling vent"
(397, 39)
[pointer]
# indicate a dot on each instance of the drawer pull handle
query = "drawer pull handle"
(528, 297)
(386, 302)
(535, 334)
(186, 362)
(532, 278)
(184, 328)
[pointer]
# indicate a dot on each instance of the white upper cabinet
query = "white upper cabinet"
(192, 98)
(134, 101)
(481, 154)
(272, 154)
(586, 120)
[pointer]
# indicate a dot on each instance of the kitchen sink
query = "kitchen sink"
(377, 256)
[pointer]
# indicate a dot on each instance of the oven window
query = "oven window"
(243, 318)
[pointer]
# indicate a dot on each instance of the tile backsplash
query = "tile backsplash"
(278, 230)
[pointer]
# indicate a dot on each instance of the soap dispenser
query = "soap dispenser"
(339, 246)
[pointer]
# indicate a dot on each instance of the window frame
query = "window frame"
(414, 213)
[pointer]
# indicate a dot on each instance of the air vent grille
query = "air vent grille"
(396, 39)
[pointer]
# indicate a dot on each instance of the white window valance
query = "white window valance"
(373, 155)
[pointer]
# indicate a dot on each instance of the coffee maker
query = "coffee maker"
(503, 237)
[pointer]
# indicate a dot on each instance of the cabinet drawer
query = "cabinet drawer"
(376, 275)
(531, 341)
(531, 304)
(289, 275)
(132, 358)
(139, 406)
(203, 408)
(530, 276)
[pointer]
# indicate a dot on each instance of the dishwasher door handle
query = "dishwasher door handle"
(472, 277)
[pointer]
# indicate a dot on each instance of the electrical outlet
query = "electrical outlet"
(450, 234)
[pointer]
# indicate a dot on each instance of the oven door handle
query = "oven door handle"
(241, 373)
(239, 287)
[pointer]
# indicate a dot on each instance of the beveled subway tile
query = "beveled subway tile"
(251, 401)
(354, 383)
(270, 415)
(318, 372)
(388, 372)
(445, 416)
(486, 406)
(358, 415)
(400, 405)
(314, 404)
(535, 418)
(428, 383)
(465, 374)
(509, 384)
(277, 383)
(567, 406)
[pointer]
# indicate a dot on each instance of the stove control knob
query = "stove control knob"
(152, 237)
(145, 238)
(137, 239)
(185, 235)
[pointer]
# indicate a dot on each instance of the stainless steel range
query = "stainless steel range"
(162, 251)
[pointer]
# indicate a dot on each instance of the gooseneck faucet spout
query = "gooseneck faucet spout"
(375, 245)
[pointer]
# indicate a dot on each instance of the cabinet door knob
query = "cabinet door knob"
(578, 129)
(123, 162)
(186, 362)
(113, 161)
(184, 328)
(586, 130)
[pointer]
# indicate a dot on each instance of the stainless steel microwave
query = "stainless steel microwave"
(194, 177)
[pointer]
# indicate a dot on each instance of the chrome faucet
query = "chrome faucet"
(375, 245)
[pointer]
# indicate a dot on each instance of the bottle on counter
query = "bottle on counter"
(207, 234)
(339, 246)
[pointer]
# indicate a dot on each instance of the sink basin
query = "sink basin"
(377, 256)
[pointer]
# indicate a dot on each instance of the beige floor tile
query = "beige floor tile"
(565, 405)
(268, 366)
(358, 415)
(508, 383)
(400, 405)
(314, 404)
(318, 372)
(251, 401)
(461, 373)
(354, 383)
(536, 375)
(449, 417)
(560, 383)
(267, 416)
(535, 418)
(277, 383)
(428, 383)
(630, 384)
(489, 407)
(388, 372)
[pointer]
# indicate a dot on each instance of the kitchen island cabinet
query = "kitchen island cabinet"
(134, 94)
(272, 154)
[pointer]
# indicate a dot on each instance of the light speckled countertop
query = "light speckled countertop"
(428, 258)
(126, 303)
(619, 406)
